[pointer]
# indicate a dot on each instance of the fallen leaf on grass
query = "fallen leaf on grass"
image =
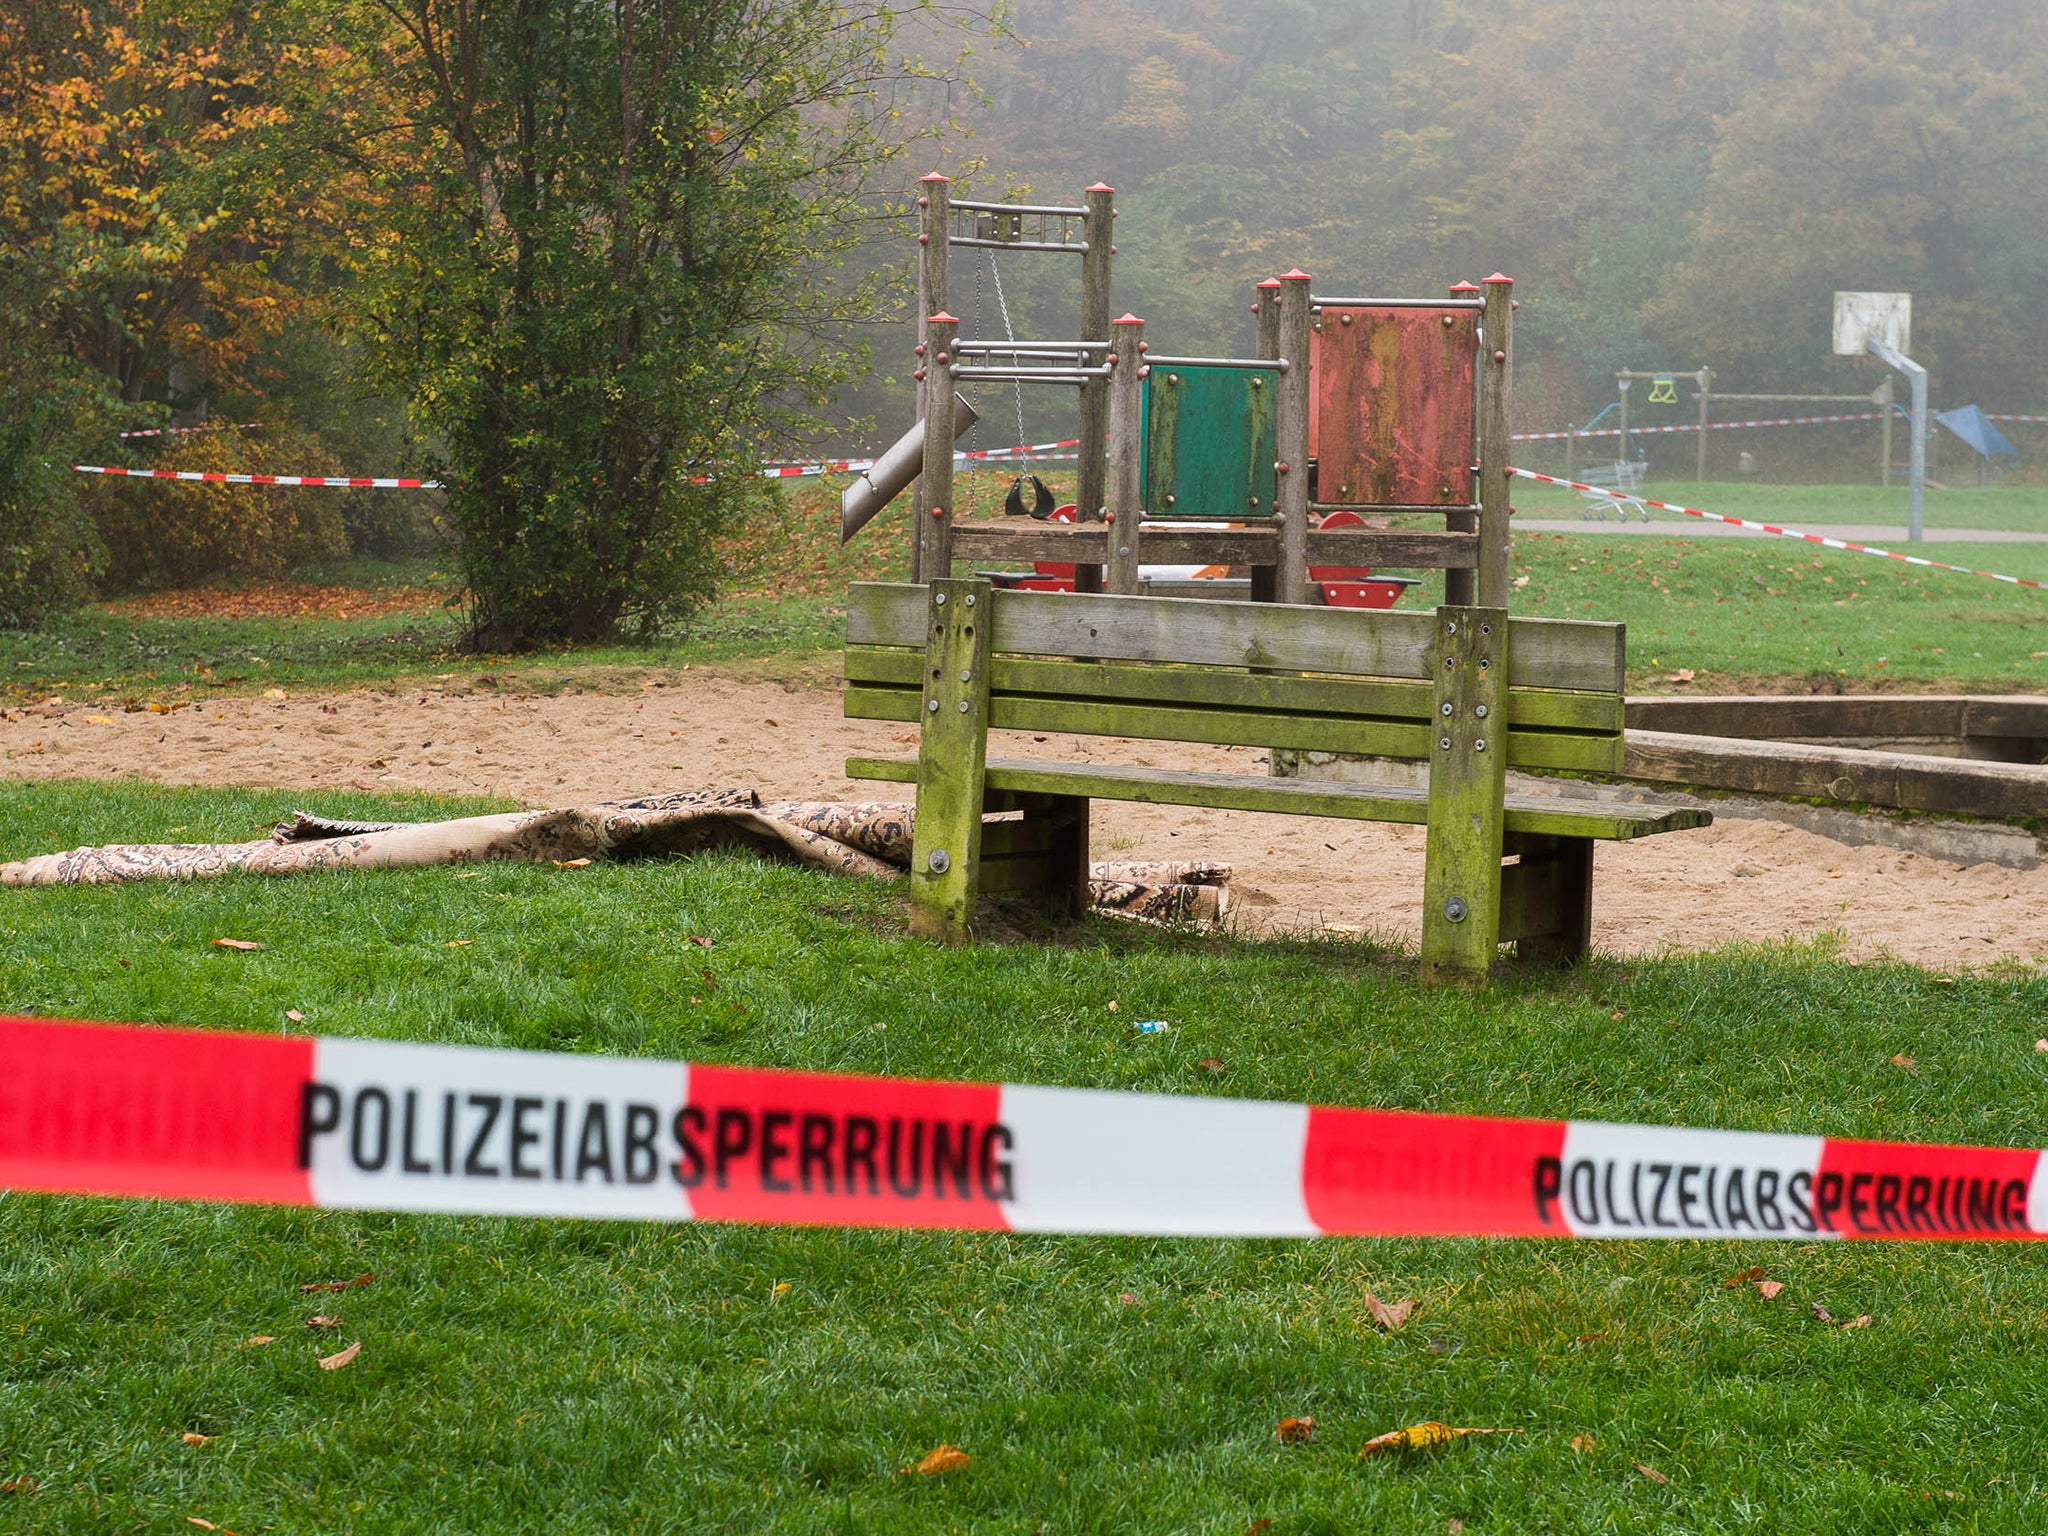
(1127, 1298)
(339, 1285)
(1583, 1444)
(458, 944)
(939, 1459)
(1392, 1318)
(1259, 1526)
(1858, 1322)
(1295, 1431)
(1754, 1275)
(572, 863)
(1822, 1313)
(22, 1484)
(469, 874)
(1682, 675)
(701, 941)
(1212, 1064)
(336, 1362)
(1905, 1062)
(1456, 1527)
(323, 1322)
(240, 944)
(295, 1016)
(1422, 1437)
(1651, 1473)
(781, 1290)
(194, 1439)
(257, 1341)
(2041, 1045)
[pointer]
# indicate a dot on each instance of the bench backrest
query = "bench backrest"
(1240, 674)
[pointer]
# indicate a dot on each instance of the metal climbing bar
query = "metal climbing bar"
(1318, 301)
(1257, 364)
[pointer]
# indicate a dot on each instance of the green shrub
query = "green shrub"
(49, 410)
(176, 533)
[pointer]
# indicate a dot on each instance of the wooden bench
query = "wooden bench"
(960, 658)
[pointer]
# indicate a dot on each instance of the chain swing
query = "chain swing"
(1042, 499)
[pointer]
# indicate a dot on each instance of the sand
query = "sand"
(696, 729)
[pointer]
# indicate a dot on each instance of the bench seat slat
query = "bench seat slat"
(1543, 653)
(1526, 814)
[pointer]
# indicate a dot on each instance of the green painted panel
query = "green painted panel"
(1209, 443)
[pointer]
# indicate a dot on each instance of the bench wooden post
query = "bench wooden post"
(952, 758)
(1467, 788)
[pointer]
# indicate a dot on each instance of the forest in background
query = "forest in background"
(205, 215)
(1671, 183)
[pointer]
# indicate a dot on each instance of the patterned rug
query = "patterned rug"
(871, 839)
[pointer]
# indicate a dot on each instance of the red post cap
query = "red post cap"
(1271, 282)
(1127, 318)
(941, 318)
(1100, 186)
(1296, 276)
(935, 176)
(1458, 288)
(1502, 277)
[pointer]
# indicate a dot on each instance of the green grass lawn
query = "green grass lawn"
(1737, 612)
(551, 1376)
(2021, 508)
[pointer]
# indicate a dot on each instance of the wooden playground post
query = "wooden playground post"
(1297, 335)
(935, 522)
(1266, 310)
(1091, 469)
(1127, 452)
(934, 221)
(1462, 585)
(1496, 363)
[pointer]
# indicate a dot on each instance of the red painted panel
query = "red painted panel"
(1393, 407)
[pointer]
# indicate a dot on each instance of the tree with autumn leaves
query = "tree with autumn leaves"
(589, 248)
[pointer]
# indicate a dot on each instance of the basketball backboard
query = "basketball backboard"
(1860, 316)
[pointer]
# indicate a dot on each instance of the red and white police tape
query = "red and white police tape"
(395, 483)
(347, 482)
(1783, 533)
(225, 426)
(98, 1109)
(1712, 426)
